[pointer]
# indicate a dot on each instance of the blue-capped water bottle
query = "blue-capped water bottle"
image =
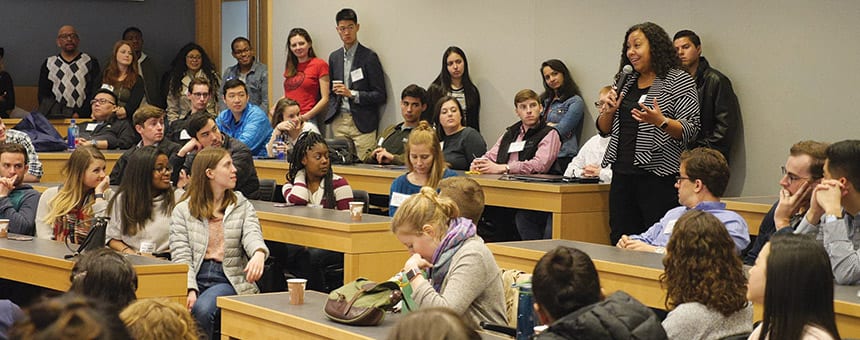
(525, 312)
(279, 142)
(72, 134)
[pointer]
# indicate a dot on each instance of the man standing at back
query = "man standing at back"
(717, 101)
(249, 71)
(69, 79)
(358, 87)
(148, 70)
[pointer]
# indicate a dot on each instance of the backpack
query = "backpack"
(42, 133)
(341, 151)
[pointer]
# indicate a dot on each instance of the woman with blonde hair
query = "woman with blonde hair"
(704, 281)
(68, 210)
(155, 319)
(122, 77)
(216, 232)
(461, 273)
(425, 162)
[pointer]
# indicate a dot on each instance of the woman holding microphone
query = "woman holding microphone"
(650, 118)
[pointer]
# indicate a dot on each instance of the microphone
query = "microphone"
(626, 71)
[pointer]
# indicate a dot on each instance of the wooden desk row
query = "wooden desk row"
(60, 124)
(638, 274)
(53, 163)
(41, 262)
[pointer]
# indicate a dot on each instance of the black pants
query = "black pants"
(638, 201)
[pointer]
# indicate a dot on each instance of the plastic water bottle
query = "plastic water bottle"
(525, 312)
(279, 141)
(72, 134)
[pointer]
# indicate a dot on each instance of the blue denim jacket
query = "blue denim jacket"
(567, 116)
(257, 83)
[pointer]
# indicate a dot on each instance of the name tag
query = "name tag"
(397, 199)
(147, 247)
(442, 145)
(92, 126)
(669, 227)
(642, 99)
(356, 74)
(183, 135)
(517, 146)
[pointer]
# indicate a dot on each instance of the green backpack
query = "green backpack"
(362, 302)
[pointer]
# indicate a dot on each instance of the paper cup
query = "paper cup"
(355, 210)
(4, 228)
(297, 290)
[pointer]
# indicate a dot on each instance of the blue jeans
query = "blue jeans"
(211, 283)
(534, 225)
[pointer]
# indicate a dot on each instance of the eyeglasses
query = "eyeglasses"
(194, 57)
(200, 94)
(679, 178)
(349, 28)
(791, 177)
(101, 101)
(163, 169)
(242, 51)
(68, 36)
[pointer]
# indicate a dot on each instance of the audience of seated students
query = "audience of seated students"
(70, 316)
(587, 162)
(141, 208)
(802, 171)
(216, 232)
(792, 279)
(191, 62)
(433, 324)
(704, 281)
(453, 80)
(563, 106)
(7, 88)
(68, 80)
(106, 131)
(650, 119)
(568, 298)
(245, 122)
(254, 74)
(306, 78)
(150, 73)
(704, 175)
(9, 314)
(464, 275)
(392, 149)
(834, 211)
(34, 172)
(159, 319)
(204, 133)
(461, 144)
(718, 104)
(68, 210)
(122, 76)
(287, 126)
(105, 275)
(529, 146)
(355, 103)
(149, 123)
(312, 182)
(199, 94)
(18, 201)
(426, 165)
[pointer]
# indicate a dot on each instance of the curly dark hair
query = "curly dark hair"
(663, 55)
(702, 265)
(178, 68)
(306, 141)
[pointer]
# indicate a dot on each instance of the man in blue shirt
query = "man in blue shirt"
(253, 73)
(704, 175)
(244, 121)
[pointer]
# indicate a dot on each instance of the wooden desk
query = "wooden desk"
(638, 273)
(41, 263)
(580, 211)
(369, 248)
(53, 163)
(60, 124)
(271, 316)
(751, 208)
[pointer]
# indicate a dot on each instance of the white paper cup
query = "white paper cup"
(297, 290)
(4, 228)
(355, 210)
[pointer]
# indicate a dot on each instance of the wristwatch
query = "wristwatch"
(412, 273)
(665, 124)
(97, 196)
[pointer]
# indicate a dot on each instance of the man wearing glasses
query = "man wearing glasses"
(704, 175)
(69, 79)
(802, 171)
(106, 131)
(358, 87)
(250, 71)
(199, 92)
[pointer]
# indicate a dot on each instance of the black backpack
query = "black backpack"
(43, 135)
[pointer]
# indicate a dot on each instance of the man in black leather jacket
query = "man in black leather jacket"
(717, 100)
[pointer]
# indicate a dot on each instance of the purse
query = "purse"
(362, 302)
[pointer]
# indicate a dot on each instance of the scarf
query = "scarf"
(459, 230)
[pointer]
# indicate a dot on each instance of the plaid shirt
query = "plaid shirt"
(14, 136)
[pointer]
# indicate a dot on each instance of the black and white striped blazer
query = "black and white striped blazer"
(656, 151)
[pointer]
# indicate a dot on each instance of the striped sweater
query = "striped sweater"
(656, 151)
(297, 193)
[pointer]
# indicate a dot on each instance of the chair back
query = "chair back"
(361, 196)
(267, 189)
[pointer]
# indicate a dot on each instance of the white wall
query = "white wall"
(789, 61)
(234, 23)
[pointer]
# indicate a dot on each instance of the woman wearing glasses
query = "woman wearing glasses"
(122, 77)
(189, 63)
(651, 119)
(140, 211)
(306, 77)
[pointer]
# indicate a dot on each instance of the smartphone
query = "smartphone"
(20, 238)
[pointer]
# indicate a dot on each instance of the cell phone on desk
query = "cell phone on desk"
(20, 238)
